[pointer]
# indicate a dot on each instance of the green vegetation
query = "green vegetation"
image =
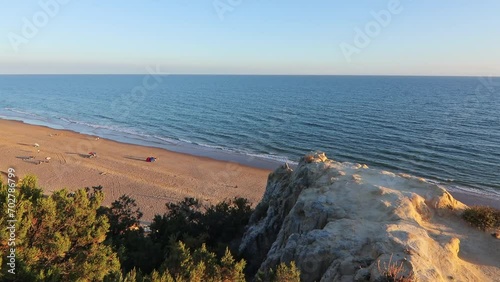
(69, 236)
(183, 265)
(218, 226)
(482, 217)
(282, 273)
(58, 238)
(134, 249)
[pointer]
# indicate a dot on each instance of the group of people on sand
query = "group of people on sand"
(32, 158)
(90, 155)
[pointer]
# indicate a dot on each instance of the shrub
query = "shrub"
(201, 265)
(69, 236)
(282, 273)
(394, 272)
(285, 273)
(218, 225)
(127, 237)
(58, 237)
(482, 217)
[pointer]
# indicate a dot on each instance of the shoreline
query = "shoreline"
(121, 168)
(229, 166)
(181, 147)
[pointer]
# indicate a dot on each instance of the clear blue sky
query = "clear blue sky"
(427, 37)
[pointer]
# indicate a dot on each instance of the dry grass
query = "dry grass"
(394, 272)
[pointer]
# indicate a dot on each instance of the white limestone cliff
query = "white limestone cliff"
(347, 222)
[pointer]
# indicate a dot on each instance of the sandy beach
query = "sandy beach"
(121, 168)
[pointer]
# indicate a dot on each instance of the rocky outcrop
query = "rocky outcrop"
(347, 222)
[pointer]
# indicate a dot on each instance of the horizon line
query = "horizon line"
(243, 74)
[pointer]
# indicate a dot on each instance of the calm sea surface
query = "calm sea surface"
(442, 128)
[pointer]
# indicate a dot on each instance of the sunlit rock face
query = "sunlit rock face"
(348, 222)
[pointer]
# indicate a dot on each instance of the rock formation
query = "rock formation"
(347, 222)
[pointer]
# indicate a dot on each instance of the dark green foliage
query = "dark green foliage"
(123, 215)
(202, 265)
(185, 265)
(282, 273)
(482, 217)
(219, 226)
(225, 223)
(69, 236)
(127, 237)
(58, 238)
(181, 221)
(138, 251)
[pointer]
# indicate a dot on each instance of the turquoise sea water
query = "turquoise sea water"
(446, 129)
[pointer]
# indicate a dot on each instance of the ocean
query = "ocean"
(445, 129)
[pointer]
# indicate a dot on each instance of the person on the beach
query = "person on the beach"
(151, 159)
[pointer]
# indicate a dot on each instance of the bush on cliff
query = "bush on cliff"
(58, 237)
(200, 265)
(135, 250)
(69, 236)
(282, 273)
(482, 217)
(218, 226)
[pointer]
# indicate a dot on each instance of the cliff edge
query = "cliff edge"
(347, 222)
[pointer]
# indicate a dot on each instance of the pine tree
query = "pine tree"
(58, 238)
(285, 273)
(282, 273)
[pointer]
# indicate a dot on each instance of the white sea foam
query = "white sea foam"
(166, 139)
(216, 147)
(129, 131)
(271, 157)
(186, 141)
(250, 155)
(485, 192)
(110, 127)
(25, 113)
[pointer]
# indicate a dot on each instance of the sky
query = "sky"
(365, 37)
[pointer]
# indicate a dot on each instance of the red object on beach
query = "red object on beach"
(148, 159)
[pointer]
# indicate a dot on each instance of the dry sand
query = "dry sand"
(121, 168)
